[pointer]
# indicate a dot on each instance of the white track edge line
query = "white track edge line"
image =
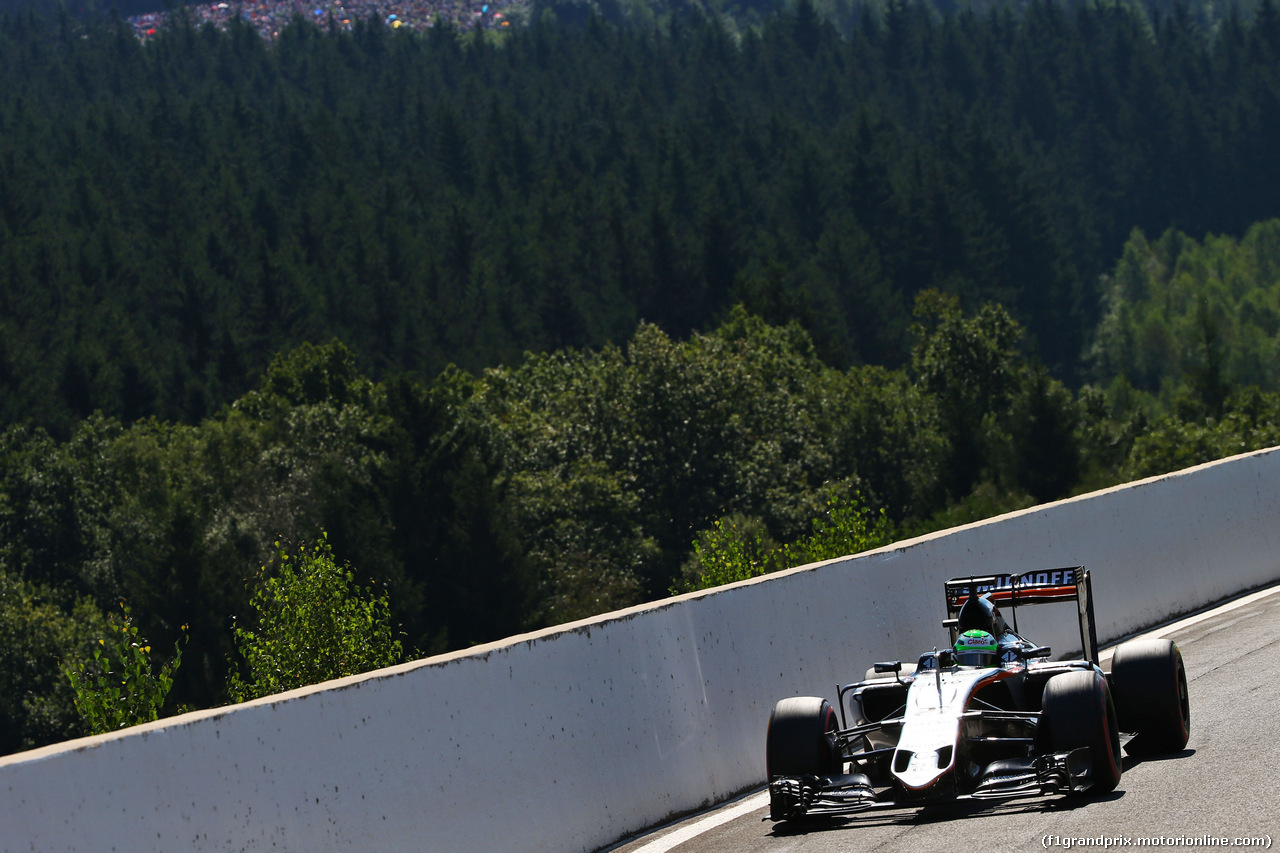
(706, 824)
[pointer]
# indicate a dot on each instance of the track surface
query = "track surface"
(1226, 784)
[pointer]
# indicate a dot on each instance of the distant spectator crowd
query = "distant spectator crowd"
(269, 17)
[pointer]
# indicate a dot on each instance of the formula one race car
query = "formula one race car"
(989, 717)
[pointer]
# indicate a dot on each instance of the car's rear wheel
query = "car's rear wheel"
(1149, 683)
(1078, 712)
(800, 742)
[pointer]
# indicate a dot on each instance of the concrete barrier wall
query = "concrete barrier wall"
(571, 738)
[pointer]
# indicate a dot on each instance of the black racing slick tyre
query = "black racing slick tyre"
(1078, 712)
(800, 740)
(1149, 683)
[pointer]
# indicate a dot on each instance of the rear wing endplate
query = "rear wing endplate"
(1039, 587)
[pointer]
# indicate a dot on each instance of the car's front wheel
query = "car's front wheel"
(1078, 712)
(800, 738)
(800, 742)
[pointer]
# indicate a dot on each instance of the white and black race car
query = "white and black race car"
(989, 717)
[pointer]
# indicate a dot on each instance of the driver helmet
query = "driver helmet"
(977, 648)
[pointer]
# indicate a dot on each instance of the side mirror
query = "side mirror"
(894, 666)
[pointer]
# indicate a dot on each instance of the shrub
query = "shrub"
(314, 624)
(118, 688)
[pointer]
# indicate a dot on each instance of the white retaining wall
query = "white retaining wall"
(571, 738)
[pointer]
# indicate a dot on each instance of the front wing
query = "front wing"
(1054, 773)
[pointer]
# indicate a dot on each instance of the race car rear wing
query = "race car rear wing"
(1039, 587)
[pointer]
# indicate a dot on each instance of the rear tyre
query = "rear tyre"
(1149, 683)
(800, 742)
(1078, 712)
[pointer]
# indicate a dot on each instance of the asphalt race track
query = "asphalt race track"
(1225, 785)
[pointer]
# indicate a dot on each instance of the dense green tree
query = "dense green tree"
(1202, 317)
(1250, 421)
(969, 364)
(38, 636)
(612, 461)
(1044, 448)
(738, 547)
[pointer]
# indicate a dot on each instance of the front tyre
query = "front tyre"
(800, 742)
(1078, 712)
(1149, 682)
